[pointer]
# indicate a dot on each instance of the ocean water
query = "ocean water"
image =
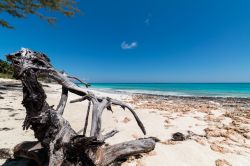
(180, 89)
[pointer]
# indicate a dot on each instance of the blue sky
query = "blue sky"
(143, 40)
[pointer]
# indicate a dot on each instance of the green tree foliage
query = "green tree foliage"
(6, 69)
(23, 8)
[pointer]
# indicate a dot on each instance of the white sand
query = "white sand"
(185, 153)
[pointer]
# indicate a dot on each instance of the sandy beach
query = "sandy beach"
(216, 130)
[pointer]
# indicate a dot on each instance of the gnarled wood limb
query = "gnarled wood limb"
(110, 134)
(126, 149)
(86, 119)
(123, 105)
(59, 143)
(63, 101)
(31, 150)
(81, 81)
(108, 105)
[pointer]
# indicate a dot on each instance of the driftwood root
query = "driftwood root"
(58, 143)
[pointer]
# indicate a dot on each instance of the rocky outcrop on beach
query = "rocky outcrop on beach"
(223, 124)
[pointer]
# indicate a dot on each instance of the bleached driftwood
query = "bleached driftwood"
(58, 143)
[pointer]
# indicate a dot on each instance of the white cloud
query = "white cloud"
(127, 46)
(147, 21)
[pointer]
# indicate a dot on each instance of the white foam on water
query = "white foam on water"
(167, 93)
(163, 93)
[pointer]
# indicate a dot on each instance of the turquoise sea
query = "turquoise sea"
(180, 89)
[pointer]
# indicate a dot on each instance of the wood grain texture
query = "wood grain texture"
(58, 143)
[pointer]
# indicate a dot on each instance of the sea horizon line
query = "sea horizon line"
(169, 83)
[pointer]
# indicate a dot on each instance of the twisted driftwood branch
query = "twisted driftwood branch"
(58, 143)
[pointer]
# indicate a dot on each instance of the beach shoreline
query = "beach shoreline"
(216, 130)
(235, 90)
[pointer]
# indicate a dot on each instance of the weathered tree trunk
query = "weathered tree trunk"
(58, 143)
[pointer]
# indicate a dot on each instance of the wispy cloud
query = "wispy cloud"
(147, 21)
(127, 46)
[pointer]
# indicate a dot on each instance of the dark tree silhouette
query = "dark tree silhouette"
(23, 8)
